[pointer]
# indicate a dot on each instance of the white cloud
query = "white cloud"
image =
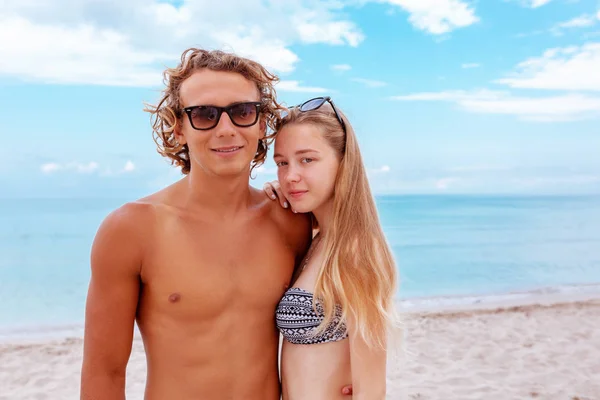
(370, 83)
(81, 54)
(384, 169)
(554, 108)
(341, 67)
(272, 54)
(74, 166)
(567, 68)
(451, 95)
(336, 33)
(50, 168)
(470, 65)
(536, 3)
(129, 166)
(539, 3)
(86, 168)
(583, 21)
(445, 183)
(437, 16)
(571, 69)
(130, 42)
(294, 86)
(532, 3)
(579, 22)
(83, 168)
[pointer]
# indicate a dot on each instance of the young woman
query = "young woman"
(335, 317)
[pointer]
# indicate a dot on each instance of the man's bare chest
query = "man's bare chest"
(205, 270)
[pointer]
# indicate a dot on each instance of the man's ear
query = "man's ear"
(178, 135)
(263, 127)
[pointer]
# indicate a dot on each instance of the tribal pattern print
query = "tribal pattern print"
(297, 320)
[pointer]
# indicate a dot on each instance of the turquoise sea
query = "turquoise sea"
(444, 245)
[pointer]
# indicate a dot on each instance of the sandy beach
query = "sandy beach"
(549, 350)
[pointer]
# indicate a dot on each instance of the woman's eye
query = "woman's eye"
(307, 160)
(280, 163)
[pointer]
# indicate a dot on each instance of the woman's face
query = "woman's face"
(306, 166)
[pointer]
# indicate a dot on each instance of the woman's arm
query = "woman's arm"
(368, 367)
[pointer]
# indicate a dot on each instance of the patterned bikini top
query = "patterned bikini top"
(296, 319)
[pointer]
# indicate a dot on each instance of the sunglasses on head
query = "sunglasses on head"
(203, 118)
(316, 103)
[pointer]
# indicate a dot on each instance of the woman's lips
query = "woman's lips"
(296, 194)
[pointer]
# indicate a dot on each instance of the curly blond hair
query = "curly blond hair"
(168, 112)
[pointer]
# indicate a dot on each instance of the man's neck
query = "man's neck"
(226, 196)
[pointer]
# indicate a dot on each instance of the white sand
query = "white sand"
(520, 352)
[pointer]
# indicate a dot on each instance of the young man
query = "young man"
(201, 264)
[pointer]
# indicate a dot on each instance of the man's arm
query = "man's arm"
(111, 304)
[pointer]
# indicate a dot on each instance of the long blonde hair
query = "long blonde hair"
(359, 272)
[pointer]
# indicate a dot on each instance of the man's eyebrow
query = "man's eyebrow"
(208, 104)
(303, 151)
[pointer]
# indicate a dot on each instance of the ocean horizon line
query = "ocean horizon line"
(543, 295)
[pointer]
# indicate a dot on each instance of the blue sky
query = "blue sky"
(446, 96)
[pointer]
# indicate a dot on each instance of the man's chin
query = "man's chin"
(231, 171)
(225, 169)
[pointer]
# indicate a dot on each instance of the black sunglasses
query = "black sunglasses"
(316, 103)
(203, 118)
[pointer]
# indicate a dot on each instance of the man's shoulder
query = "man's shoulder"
(279, 215)
(296, 227)
(129, 218)
(121, 239)
(131, 213)
(286, 218)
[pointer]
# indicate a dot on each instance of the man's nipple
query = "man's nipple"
(174, 297)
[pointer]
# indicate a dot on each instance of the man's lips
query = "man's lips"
(227, 149)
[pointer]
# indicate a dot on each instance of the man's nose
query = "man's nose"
(225, 127)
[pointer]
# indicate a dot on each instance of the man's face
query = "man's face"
(226, 149)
